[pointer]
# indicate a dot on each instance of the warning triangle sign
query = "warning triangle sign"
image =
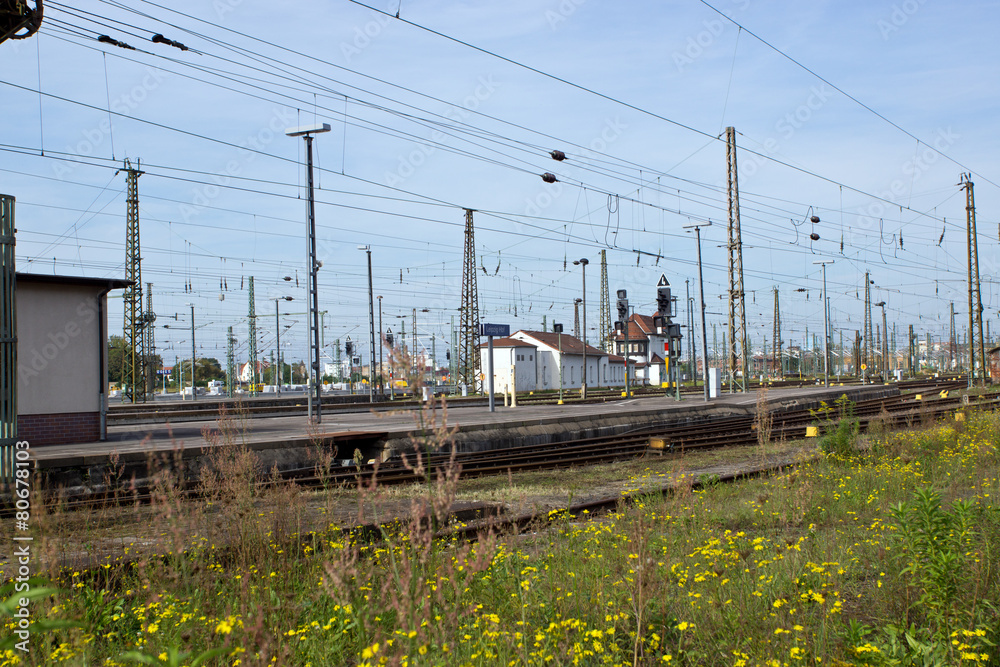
(663, 281)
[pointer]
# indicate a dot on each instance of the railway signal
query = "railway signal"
(664, 300)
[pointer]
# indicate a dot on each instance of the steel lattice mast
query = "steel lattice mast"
(869, 340)
(607, 335)
(975, 297)
(230, 361)
(468, 352)
(951, 338)
(148, 319)
(252, 318)
(776, 365)
(737, 304)
(885, 346)
(134, 360)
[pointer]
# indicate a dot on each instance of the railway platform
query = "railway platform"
(291, 442)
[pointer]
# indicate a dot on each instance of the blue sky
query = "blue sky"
(433, 126)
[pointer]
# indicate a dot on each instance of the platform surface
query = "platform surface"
(276, 430)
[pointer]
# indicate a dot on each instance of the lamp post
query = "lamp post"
(381, 338)
(312, 266)
(583, 386)
(826, 327)
(371, 326)
(277, 343)
(701, 291)
(558, 328)
(194, 388)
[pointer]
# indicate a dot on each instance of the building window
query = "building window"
(531, 357)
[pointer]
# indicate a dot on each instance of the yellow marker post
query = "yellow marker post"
(919, 397)
(812, 431)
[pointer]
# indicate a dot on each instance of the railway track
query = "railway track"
(667, 438)
(123, 415)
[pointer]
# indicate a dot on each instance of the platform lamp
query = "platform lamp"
(312, 265)
(371, 326)
(583, 386)
(826, 327)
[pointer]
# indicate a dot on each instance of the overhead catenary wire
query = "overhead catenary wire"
(415, 198)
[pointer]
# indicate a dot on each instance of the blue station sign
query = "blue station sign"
(495, 330)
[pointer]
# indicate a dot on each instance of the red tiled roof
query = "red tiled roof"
(507, 342)
(570, 344)
(261, 365)
(639, 328)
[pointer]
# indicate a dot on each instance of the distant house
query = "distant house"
(646, 348)
(244, 371)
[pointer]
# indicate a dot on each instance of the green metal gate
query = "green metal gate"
(8, 341)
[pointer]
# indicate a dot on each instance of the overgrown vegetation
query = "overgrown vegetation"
(879, 552)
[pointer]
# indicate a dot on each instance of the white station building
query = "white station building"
(539, 360)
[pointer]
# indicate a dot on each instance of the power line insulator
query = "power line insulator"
(549, 177)
(814, 236)
(160, 39)
(114, 42)
(558, 155)
(814, 219)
